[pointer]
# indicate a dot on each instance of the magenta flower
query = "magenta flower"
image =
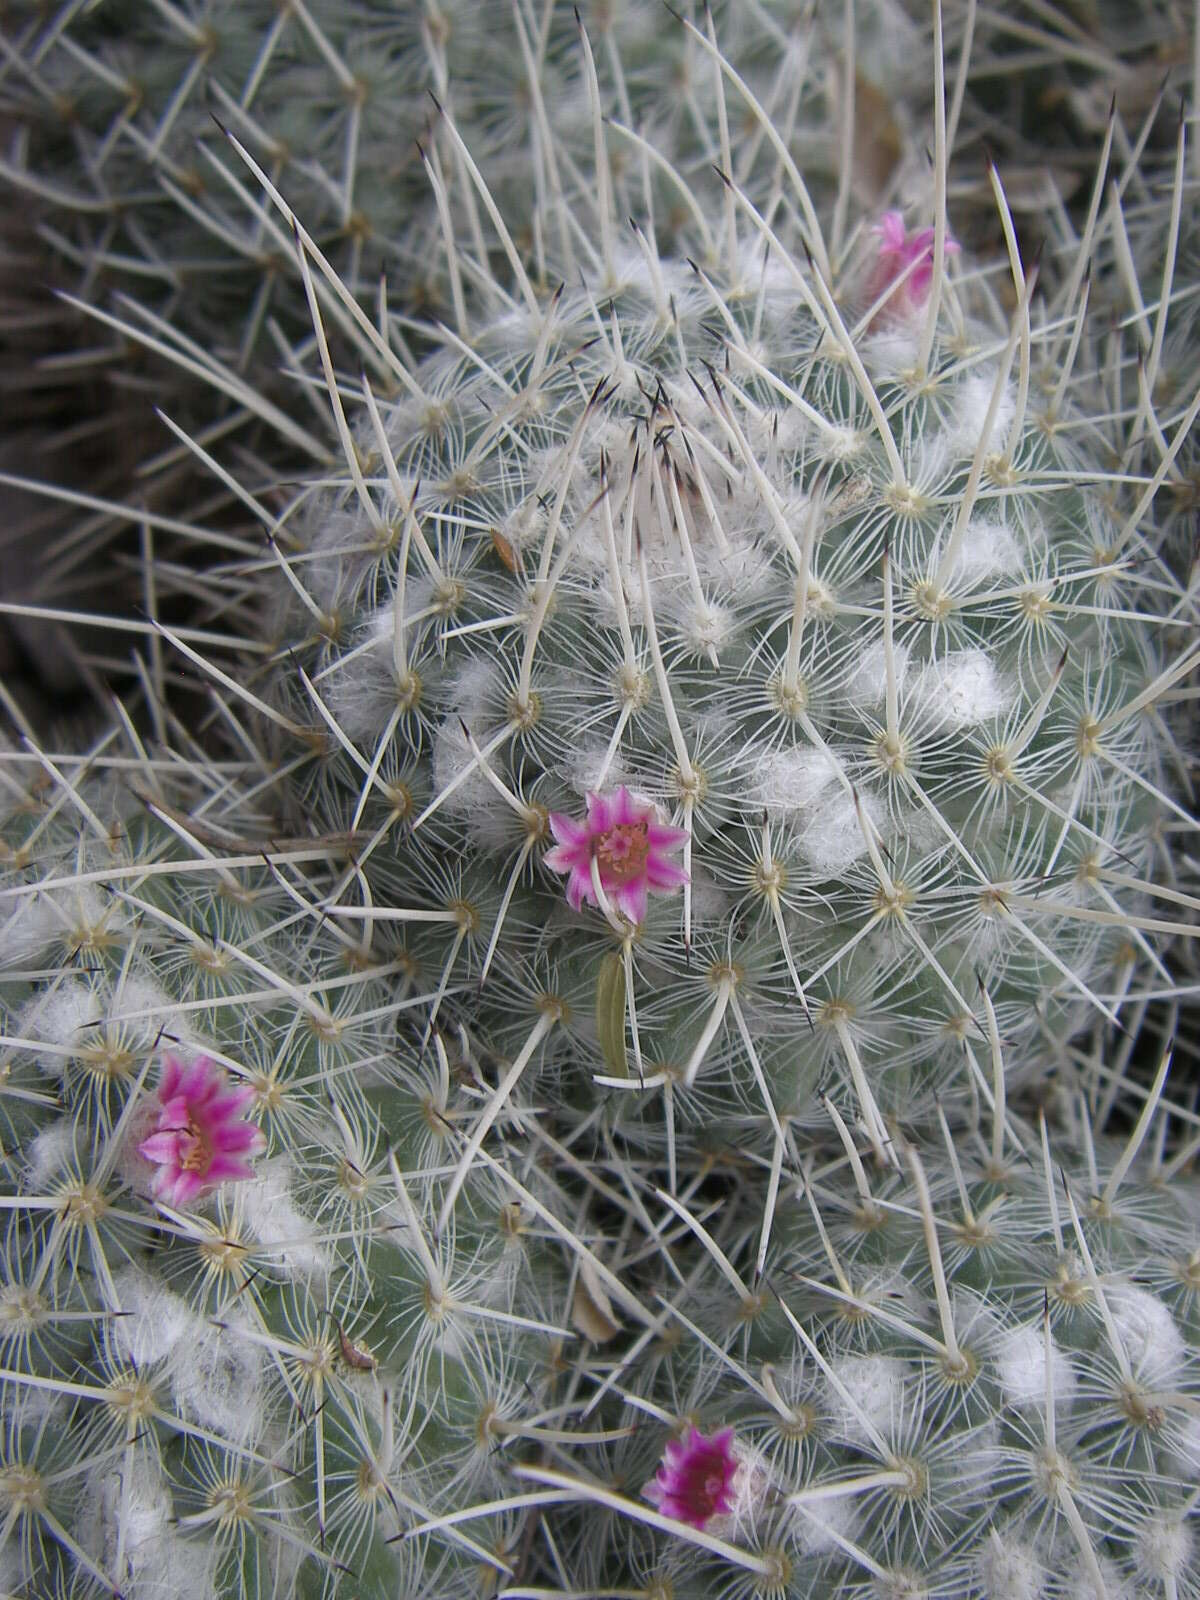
(629, 847)
(898, 249)
(695, 1479)
(199, 1140)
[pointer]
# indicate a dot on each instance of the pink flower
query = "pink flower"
(695, 1479)
(199, 1139)
(629, 847)
(898, 250)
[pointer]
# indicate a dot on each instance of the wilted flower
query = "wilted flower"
(898, 250)
(695, 1479)
(626, 844)
(200, 1138)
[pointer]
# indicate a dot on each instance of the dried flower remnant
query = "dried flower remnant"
(898, 251)
(622, 845)
(200, 1139)
(695, 1479)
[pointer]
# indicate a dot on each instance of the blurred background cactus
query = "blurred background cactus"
(596, 974)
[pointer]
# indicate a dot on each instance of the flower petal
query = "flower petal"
(631, 899)
(160, 1147)
(566, 857)
(579, 889)
(665, 875)
(566, 830)
(600, 812)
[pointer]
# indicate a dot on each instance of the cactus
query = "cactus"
(629, 1054)
(114, 153)
(824, 585)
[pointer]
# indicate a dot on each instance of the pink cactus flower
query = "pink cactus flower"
(200, 1139)
(898, 249)
(695, 1479)
(629, 847)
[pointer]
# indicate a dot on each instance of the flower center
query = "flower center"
(195, 1150)
(622, 851)
(706, 1484)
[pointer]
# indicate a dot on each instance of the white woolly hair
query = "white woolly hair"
(988, 547)
(56, 1016)
(1156, 1349)
(964, 428)
(51, 1152)
(1007, 1569)
(452, 756)
(961, 689)
(1164, 1548)
(790, 781)
(867, 683)
(1020, 1357)
(876, 1385)
(154, 1321)
(817, 1529)
(583, 767)
(291, 1238)
(129, 1510)
(833, 839)
(217, 1380)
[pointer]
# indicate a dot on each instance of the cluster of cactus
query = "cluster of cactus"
(638, 1047)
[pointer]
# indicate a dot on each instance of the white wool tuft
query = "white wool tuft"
(961, 689)
(875, 1385)
(833, 839)
(144, 999)
(1164, 1548)
(972, 397)
(1080, 1585)
(274, 1219)
(743, 571)
(478, 692)
(842, 443)
(155, 1322)
(129, 1509)
(50, 1153)
(452, 756)
(25, 931)
(1020, 1355)
(12, 1569)
(23, 1406)
(893, 350)
(1008, 1570)
(710, 902)
(706, 626)
(817, 1528)
(987, 548)
(791, 780)
(867, 683)
(57, 1017)
(217, 1380)
(584, 763)
(1152, 1341)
